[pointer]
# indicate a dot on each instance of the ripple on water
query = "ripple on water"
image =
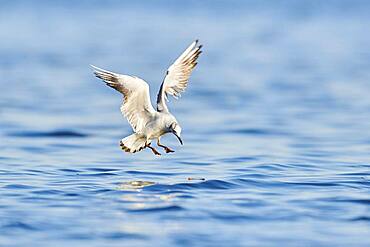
(361, 218)
(50, 192)
(257, 132)
(314, 184)
(19, 187)
(274, 167)
(123, 235)
(195, 163)
(153, 209)
(208, 184)
(363, 201)
(253, 182)
(97, 174)
(16, 225)
(250, 132)
(69, 170)
(238, 159)
(46, 134)
(99, 169)
(166, 174)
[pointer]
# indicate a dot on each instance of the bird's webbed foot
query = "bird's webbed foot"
(153, 149)
(166, 149)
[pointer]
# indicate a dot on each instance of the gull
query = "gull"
(149, 124)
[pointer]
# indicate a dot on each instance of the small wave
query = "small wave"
(68, 146)
(258, 132)
(216, 184)
(46, 134)
(350, 200)
(18, 186)
(275, 166)
(97, 174)
(195, 163)
(209, 184)
(152, 173)
(37, 172)
(229, 216)
(363, 174)
(97, 169)
(47, 192)
(19, 225)
(255, 182)
(67, 170)
(237, 159)
(123, 235)
(315, 184)
(72, 194)
(157, 209)
(251, 174)
(252, 131)
(361, 218)
(33, 149)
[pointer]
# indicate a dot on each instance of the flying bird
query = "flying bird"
(149, 124)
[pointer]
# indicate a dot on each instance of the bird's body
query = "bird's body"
(149, 124)
(158, 125)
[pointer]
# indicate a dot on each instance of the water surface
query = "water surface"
(275, 125)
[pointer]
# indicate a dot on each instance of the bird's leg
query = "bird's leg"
(167, 149)
(153, 149)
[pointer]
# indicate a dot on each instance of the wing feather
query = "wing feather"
(136, 106)
(178, 74)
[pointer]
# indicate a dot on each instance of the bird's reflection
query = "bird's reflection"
(134, 185)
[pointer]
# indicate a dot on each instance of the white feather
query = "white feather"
(178, 75)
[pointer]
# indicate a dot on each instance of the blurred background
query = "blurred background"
(275, 119)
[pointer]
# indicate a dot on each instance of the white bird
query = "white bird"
(149, 124)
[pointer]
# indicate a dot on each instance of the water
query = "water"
(275, 125)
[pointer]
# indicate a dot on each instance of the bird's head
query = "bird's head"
(176, 130)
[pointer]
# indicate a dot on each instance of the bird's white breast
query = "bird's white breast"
(158, 125)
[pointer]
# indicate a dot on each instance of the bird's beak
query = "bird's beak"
(178, 137)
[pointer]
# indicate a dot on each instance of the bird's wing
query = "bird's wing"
(136, 106)
(177, 77)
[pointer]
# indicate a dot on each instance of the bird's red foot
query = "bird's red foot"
(168, 150)
(153, 149)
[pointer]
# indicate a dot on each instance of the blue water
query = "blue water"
(275, 125)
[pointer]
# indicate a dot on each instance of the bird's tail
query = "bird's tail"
(133, 143)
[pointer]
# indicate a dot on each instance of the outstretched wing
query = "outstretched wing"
(136, 106)
(177, 77)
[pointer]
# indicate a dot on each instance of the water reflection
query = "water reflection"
(134, 185)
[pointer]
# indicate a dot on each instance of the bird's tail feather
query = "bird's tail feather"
(133, 143)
